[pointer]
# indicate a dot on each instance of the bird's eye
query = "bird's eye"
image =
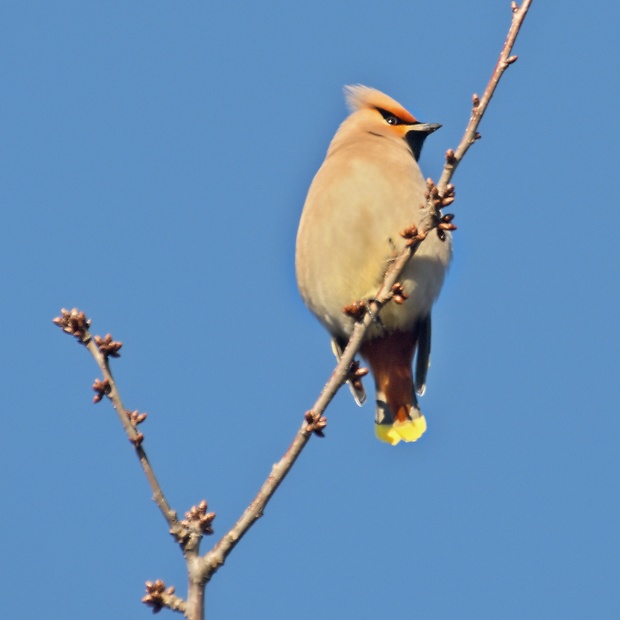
(390, 119)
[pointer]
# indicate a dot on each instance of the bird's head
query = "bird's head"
(373, 112)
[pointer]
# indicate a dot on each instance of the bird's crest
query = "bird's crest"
(360, 97)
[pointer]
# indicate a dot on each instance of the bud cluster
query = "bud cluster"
(412, 235)
(107, 346)
(315, 423)
(73, 322)
(135, 417)
(356, 310)
(101, 388)
(398, 293)
(197, 516)
(156, 595)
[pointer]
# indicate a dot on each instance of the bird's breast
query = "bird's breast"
(349, 232)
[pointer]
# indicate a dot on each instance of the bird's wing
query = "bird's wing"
(423, 357)
(359, 393)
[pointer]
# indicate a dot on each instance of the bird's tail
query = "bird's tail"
(398, 417)
(407, 424)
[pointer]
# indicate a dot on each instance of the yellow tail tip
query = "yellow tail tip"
(408, 431)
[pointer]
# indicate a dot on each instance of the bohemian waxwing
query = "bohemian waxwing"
(367, 191)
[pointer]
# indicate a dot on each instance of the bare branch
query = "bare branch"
(198, 521)
(76, 324)
(134, 436)
(479, 104)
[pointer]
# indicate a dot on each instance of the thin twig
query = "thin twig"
(197, 522)
(76, 324)
(133, 435)
(453, 158)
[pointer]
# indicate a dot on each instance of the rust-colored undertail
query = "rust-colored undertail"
(390, 357)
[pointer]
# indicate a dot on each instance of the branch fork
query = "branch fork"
(198, 521)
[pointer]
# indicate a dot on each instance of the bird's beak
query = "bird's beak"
(416, 134)
(424, 127)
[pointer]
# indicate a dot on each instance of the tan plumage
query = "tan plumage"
(368, 189)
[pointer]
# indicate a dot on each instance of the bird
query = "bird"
(368, 189)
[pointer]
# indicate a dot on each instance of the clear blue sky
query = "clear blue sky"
(155, 159)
